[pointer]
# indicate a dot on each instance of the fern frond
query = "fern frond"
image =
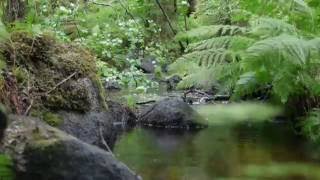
(203, 79)
(226, 42)
(282, 61)
(183, 67)
(211, 57)
(270, 27)
(3, 31)
(314, 44)
(302, 7)
(205, 32)
(277, 49)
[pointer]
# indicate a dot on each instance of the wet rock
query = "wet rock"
(121, 113)
(171, 113)
(165, 68)
(148, 64)
(3, 121)
(112, 86)
(94, 127)
(173, 81)
(42, 152)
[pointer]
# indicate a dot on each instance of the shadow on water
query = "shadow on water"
(262, 150)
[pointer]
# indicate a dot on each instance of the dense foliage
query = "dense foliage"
(257, 49)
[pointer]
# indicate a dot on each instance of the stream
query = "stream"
(238, 150)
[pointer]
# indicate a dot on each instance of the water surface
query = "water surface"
(262, 150)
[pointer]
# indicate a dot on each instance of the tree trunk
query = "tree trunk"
(192, 7)
(15, 10)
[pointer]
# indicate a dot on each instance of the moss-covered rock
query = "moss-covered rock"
(42, 73)
(52, 119)
(42, 152)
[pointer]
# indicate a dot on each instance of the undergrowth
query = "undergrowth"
(256, 50)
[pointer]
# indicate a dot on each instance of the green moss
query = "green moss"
(3, 63)
(2, 82)
(102, 94)
(46, 63)
(158, 73)
(52, 119)
(20, 74)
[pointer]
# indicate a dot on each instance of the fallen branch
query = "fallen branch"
(103, 141)
(146, 102)
(196, 91)
(29, 108)
(100, 4)
(61, 82)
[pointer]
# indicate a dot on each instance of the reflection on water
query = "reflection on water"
(6, 172)
(240, 151)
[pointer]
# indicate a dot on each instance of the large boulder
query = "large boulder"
(44, 74)
(42, 152)
(171, 113)
(95, 127)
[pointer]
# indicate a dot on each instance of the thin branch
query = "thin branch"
(146, 102)
(127, 11)
(61, 82)
(167, 17)
(103, 141)
(182, 48)
(100, 4)
(29, 108)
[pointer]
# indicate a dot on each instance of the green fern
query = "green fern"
(203, 79)
(283, 61)
(211, 57)
(226, 42)
(301, 6)
(183, 67)
(205, 32)
(280, 48)
(3, 32)
(270, 27)
(310, 126)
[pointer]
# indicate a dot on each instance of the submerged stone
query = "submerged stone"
(40, 151)
(171, 113)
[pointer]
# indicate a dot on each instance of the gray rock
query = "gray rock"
(172, 82)
(171, 113)
(112, 86)
(90, 127)
(42, 152)
(148, 64)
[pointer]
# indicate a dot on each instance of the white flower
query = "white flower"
(184, 3)
(63, 9)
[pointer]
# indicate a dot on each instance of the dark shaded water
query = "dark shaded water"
(236, 151)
